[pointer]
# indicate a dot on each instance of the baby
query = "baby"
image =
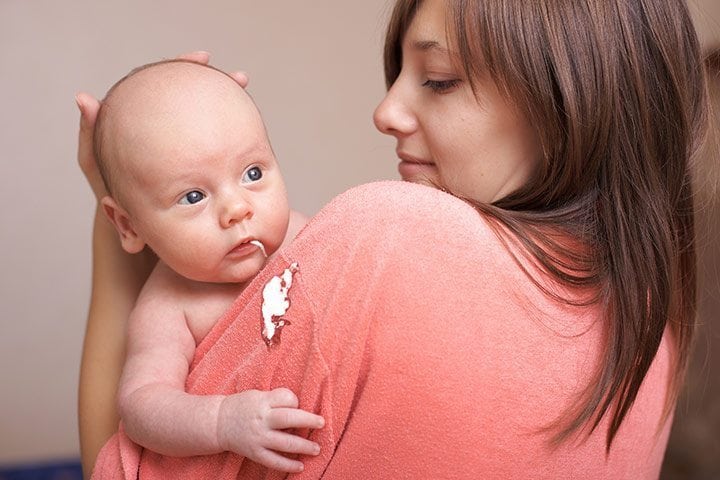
(191, 174)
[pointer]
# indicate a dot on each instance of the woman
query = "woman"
(538, 328)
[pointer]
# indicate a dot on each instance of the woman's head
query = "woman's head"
(578, 115)
(460, 135)
(535, 94)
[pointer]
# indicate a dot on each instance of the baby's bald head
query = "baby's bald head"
(141, 111)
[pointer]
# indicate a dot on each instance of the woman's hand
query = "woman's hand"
(89, 107)
(204, 57)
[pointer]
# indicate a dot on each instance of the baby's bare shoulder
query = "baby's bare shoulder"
(163, 285)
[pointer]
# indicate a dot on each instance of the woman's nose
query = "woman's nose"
(394, 116)
(235, 208)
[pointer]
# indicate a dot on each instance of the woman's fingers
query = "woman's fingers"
(241, 78)
(89, 107)
(197, 56)
(201, 56)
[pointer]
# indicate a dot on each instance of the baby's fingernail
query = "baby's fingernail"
(316, 450)
(78, 103)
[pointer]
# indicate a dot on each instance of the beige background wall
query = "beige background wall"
(315, 73)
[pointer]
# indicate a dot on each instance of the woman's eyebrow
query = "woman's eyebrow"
(425, 45)
(434, 48)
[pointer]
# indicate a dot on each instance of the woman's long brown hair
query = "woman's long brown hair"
(617, 91)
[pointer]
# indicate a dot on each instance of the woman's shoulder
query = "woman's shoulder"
(424, 252)
(386, 199)
(447, 331)
(407, 233)
(404, 213)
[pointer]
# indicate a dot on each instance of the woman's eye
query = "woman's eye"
(252, 174)
(441, 86)
(191, 198)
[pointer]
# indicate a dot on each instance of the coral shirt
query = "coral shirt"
(429, 352)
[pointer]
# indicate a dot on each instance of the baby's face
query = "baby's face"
(202, 180)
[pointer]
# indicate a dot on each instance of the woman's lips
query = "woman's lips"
(411, 170)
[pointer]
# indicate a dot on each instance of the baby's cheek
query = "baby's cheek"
(277, 230)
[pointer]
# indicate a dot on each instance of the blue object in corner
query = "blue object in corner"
(60, 470)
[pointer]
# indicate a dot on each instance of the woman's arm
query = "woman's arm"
(116, 281)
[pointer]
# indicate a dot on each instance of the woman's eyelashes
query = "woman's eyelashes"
(252, 174)
(441, 86)
(192, 198)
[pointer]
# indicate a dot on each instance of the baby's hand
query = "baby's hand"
(250, 424)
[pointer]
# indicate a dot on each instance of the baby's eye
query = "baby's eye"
(191, 198)
(252, 174)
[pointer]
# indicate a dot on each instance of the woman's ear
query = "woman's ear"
(129, 239)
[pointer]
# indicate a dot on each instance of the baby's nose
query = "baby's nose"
(236, 208)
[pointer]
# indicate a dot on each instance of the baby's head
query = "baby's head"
(191, 173)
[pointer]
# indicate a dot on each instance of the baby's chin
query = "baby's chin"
(239, 274)
(242, 278)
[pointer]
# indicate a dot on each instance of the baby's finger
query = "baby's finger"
(277, 462)
(282, 418)
(288, 443)
(282, 397)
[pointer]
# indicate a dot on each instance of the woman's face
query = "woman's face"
(478, 147)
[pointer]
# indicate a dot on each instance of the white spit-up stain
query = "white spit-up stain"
(259, 244)
(275, 304)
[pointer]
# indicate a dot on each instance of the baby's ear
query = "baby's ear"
(118, 216)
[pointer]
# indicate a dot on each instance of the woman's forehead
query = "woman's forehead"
(428, 25)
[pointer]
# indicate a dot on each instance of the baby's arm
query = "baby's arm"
(159, 415)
